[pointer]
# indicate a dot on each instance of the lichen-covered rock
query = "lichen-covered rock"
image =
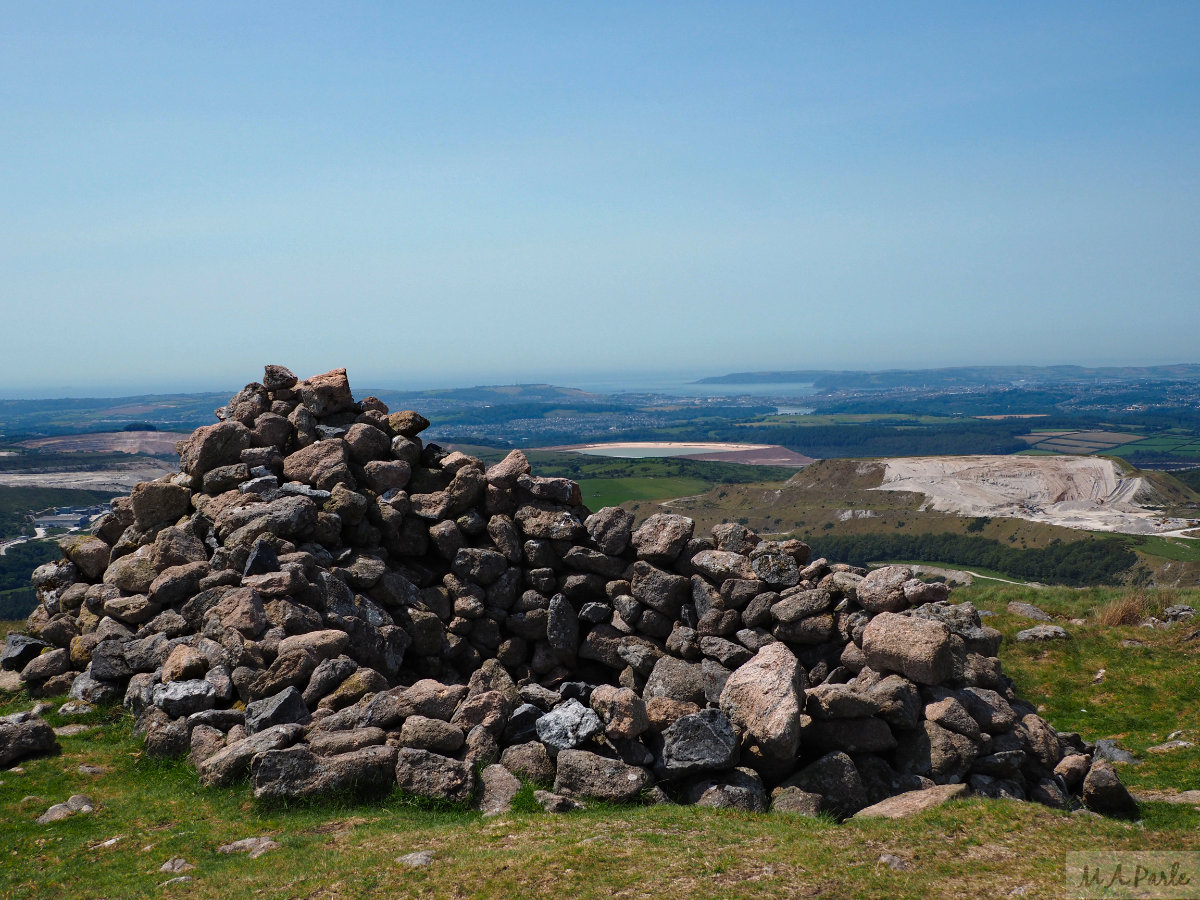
(568, 726)
(922, 650)
(429, 774)
(882, 590)
(582, 774)
(764, 697)
(701, 742)
(662, 537)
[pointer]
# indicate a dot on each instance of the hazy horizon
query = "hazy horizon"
(611, 381)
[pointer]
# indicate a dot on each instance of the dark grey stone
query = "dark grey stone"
(836, 779)
(20, 650)
(283, 708)
(522, 725)
(22, 735)
(562, 629)
(182, 698)
(700, 742)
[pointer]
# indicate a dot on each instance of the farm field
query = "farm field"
(600, 492)
(1185, 445)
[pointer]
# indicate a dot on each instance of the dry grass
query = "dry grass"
(1133, 606)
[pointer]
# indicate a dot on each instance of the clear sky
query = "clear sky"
(452, 193)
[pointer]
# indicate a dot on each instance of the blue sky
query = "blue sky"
(434, 194)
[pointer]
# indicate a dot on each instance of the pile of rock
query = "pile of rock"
(322, 600)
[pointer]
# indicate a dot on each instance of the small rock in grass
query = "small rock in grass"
(1169, 746)
(893, 862)
(182, 879)
(1107, 748)
(81, 803)
(556, 803)
(420, 858)
(77, 803)
(75, 708)
(176, 864)
(255, 846)
(56, 813)
(1042, 633)
(1027, 611)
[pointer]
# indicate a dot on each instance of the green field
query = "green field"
(1179, 549)
(600, 492)
(813, 420)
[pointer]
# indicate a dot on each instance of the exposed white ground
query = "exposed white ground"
(119, 480)
(1075, 492)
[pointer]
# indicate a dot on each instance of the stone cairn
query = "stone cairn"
(322, 601)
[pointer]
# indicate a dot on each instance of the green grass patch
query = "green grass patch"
(1179, 549)
(1147, 691)
(601, 492)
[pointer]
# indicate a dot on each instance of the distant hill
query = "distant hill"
(962, 376)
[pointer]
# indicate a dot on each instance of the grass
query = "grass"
(1148, 688)
(1179, 549)
(601, 492)
(349, 846)
(1132, 607)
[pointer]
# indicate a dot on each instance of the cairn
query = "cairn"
(321, 600)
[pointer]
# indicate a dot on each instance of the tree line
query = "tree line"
(1086, 562)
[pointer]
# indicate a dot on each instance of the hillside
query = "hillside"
(840, 499)
(1091, 493)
